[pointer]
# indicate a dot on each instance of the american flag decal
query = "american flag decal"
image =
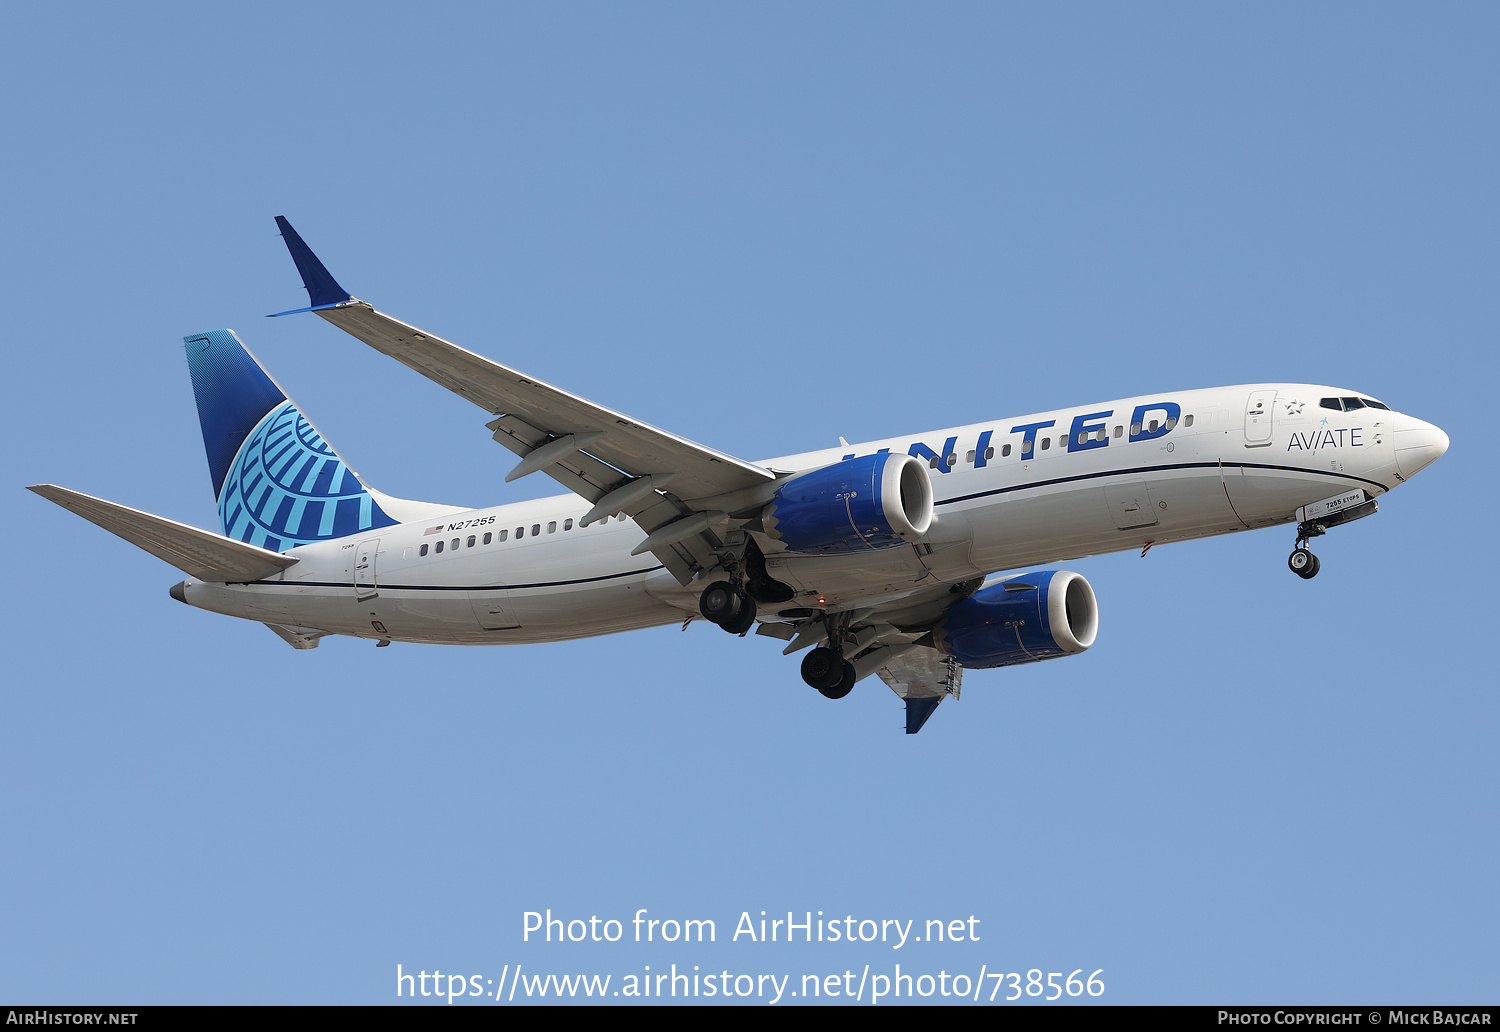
(433, 530)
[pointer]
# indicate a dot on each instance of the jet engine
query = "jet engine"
(860, 504)
(1040, 615)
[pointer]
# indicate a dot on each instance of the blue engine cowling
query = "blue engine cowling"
(869, 502)
(1040, 615)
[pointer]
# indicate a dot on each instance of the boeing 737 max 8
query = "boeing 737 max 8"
(875, 556)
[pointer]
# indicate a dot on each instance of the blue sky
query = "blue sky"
(761, 227)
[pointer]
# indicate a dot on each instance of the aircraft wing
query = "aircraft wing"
(591, 450)
(923, 678)
(199, 553)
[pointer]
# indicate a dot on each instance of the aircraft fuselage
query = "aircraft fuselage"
(1009, 493)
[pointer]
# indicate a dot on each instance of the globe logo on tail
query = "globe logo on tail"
(287, 487)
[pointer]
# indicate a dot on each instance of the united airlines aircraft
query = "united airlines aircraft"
(877, 558)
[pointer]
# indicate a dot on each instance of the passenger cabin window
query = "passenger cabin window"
(971, 458)
(567, 524)
(1152, 426)
(1046, 443)
(989, 453)
(487, 537)
(1186, 421)
(1331, 403)
(1005, 452)
(1171, 422)
(438, 547)
(423, 551)
(471, 541)
(1119, 430)
(536, 528)
(520, 533)
(552, 527)
(453, 543)
(1135, 429)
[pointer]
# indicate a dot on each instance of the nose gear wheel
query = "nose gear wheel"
(1303, 563)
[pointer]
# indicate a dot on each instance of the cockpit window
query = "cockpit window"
(1350, 404)
(1376, 404)
(1332, 403)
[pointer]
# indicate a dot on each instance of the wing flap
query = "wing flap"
(632, 447)
(923, 678)
(921, 673)
(587, 475)
(199, 553)
(612, 449)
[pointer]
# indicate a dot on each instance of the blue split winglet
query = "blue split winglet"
(918, 710)
(323, 291)
(296, 311)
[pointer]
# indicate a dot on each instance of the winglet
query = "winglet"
(323, 291)
(918, 710)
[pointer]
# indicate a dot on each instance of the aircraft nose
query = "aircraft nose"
(1418, 445)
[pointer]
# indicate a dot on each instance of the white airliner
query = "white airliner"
(877, 556)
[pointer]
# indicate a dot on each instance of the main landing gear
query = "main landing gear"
(731, 603)
(732, 610)
(828, 672)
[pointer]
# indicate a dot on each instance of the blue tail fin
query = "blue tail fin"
(278, 483)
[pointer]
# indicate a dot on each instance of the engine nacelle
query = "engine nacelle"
(1040, 615)
(869, 502)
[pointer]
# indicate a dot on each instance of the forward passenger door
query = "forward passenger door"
(1260, 410)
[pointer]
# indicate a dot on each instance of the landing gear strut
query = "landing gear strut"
(721, 604)
(1302, 562)
(828, 672)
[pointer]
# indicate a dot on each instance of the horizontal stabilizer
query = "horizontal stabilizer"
(207, 556)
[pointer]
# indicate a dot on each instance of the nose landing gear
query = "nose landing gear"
(1315, 519)
(1303, 563)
